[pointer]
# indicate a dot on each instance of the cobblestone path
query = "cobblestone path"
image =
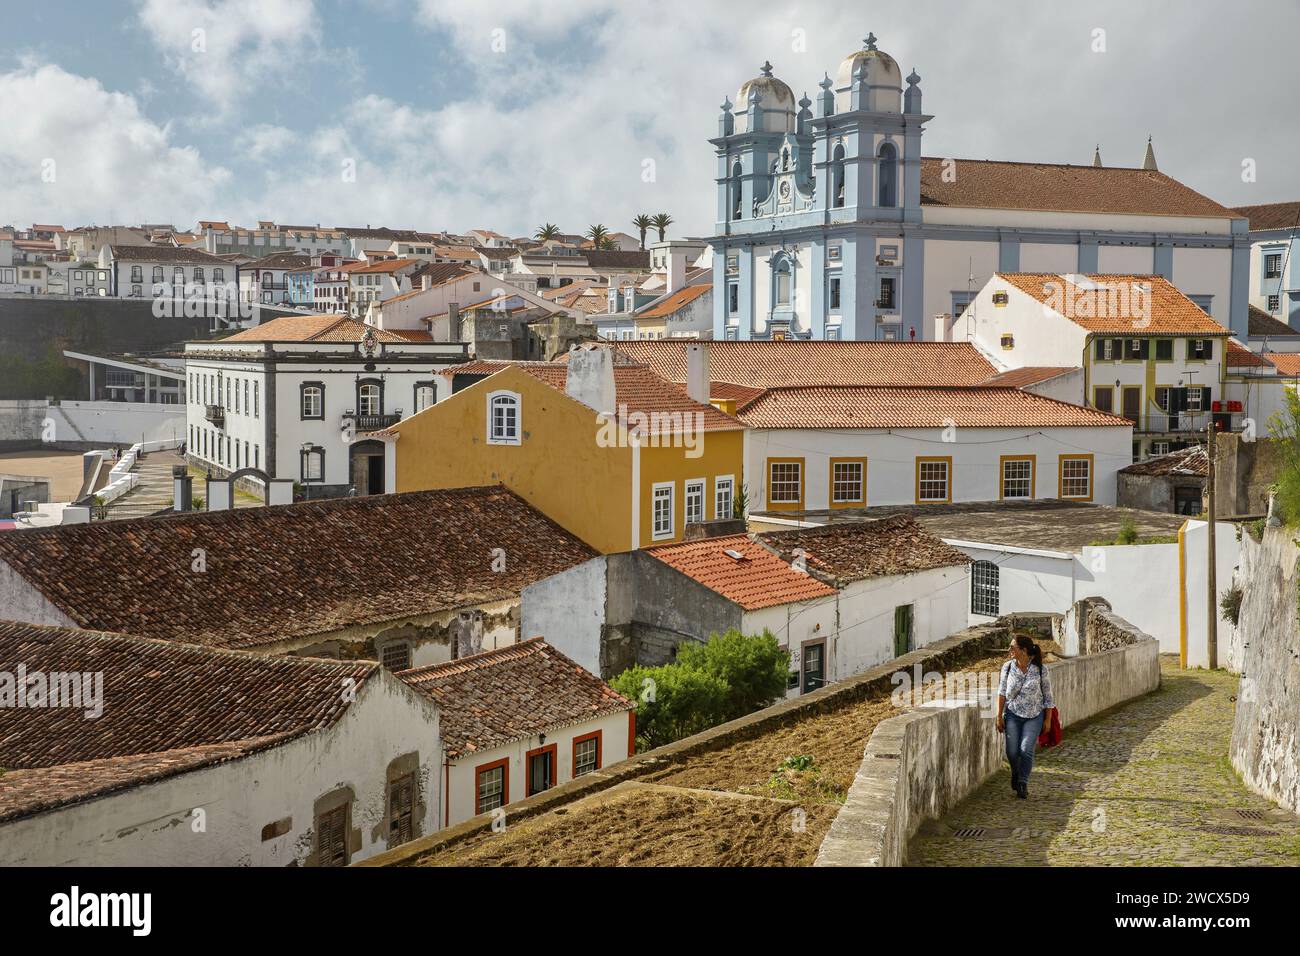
(1146, 784)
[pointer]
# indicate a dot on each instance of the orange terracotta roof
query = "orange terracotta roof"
(1273, 215)
(992, 184)
(849, 406)
(678, 300)
(312, 328)
(757, 579)
(636, 388)
(1129, 304)
(856, 550)
(385, 265)
(1029, 375)
(1238, 356)
(776, 364)
(1286, 363)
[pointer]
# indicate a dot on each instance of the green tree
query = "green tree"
(547, 232)
(597, 233)
(661, 221)
(755, 668)
(642, 224)
(1284, 425)
(672, 702)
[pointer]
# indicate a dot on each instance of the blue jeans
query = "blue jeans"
(1022, 739)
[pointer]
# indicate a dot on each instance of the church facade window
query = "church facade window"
(887, 173)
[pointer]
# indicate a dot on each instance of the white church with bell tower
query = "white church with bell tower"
(831, 224)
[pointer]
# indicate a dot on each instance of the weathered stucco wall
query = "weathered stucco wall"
(919, 765)
(1265, 746)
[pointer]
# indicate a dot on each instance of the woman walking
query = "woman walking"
(1024, 697)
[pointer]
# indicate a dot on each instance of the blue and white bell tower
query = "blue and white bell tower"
(819, 206)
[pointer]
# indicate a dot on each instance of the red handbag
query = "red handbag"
(1051, 735)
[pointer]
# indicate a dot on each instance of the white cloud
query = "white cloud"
(264, 142)
(107, 159)
(228, 49)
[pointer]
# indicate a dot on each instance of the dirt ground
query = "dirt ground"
(654, 826)
(62, 467)
(669, 817)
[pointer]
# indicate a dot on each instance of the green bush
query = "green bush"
(1230, 604)
(729, 676)
(1128, 532)
(755, 668)
(1284, 426)
(672, 702)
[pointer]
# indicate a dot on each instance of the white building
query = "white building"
(1146, 351)
(137, 272)
(1274, 246)
(292, 397)
(519, 721)
(831, 223)
(213, 758)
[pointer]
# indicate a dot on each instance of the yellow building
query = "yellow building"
(612, 453)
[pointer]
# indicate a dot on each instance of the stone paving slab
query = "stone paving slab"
(1146, 784)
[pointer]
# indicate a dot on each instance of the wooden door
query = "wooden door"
(1133, 403)
(902, 629)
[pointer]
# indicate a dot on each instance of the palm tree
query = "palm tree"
(642, 223)
(661, 221)
(597, 234)
(547, 232)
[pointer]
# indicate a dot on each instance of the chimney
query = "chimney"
(697, 372)
(590, 378)
(676, 265)
(453, 321)
(424, 282)
(182, 489)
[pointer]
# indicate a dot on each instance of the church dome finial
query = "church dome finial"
(1149, 160)
(1096, 156)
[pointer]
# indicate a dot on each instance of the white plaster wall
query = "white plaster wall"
(948, 262)
(939, 599)
(463, 796)
(1064, 388)
(19, 601)
(1055, 257)
(153, 825)
(976, 470)
(1139, 260)
(1227, 551)
(1205, 272)
(1087, 221)
(118, 422)
(761, 291)
(1028, 580)
(568, 609)
(1141, 583)
(1040, 336)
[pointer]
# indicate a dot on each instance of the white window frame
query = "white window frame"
(727, 482)
(694, 487)
(513, 438)
(1028, 479)
(313, 402)
(661, 531)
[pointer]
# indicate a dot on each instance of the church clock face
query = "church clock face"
(785, 189)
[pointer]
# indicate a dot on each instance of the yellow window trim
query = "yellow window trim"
(1033, 474)
(1060, 477)
(933, 458)
(830, 483)
(767, 480)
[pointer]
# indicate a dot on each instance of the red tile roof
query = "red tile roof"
(992, 184)
(1186, 461)
(909, 407)
(1238, 356)
(756, 579)
(385, 265)
(1261, 323)
(635, 387)
(167, 707)
(1118, 304)
(855, 550)
(313, 328)
(497, 697)
(1273, 215)
(1286, 363)
(773, 364)
(290, 572)
(1029, 375)
(675, 302)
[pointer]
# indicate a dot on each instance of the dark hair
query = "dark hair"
(1027, 643)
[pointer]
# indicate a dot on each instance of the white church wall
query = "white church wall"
(1120, 260)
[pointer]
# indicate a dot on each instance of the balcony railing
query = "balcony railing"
(1182, 423)
(370, 423)
(215, 414)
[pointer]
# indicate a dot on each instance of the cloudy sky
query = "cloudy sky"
(510, 113)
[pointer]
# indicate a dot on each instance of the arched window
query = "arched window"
(424, 396)
(782, 284)
(984, 588)
(369, 399)
(503, 418)
(888, 175)
(157, 273)
(313, 401)
(735, 190)
(837, 177)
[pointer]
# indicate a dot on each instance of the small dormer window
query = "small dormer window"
(1008, 341)
(503, 418)
(1000, 299)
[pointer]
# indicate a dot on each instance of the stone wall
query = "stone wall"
(919, 765)
(1243, 471)
(1265, 746)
